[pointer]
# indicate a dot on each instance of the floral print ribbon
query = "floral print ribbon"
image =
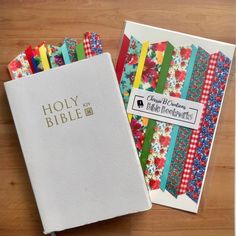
(150, 75)
(138, 75)
(69, 50)
(184, 133)
(130, 68)
(175, 128)
(208, 127)
(19, 67)
(195, 133)
(157, 142)
(44, 57)
(55, 56)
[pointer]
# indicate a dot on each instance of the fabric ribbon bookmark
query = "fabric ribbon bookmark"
(195, 133)
(69, 50)
(55, 56)
(149, 80)
(65, 54)
(19, 67)
(158, 133)
(208, 128)
(71, 44)
(184, 133)
(138, 75)
(175, 128)
(43, 56)
(29, 55)
(130, 67)
(34, 58)
(92, 44)
(80, 51)
(121, 59)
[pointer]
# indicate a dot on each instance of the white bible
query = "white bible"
(77, 144)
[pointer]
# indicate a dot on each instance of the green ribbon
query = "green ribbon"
(159, 89)
(80, 51)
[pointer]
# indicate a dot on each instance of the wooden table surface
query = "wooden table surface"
(30, 22)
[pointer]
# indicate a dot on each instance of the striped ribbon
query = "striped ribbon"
(184, 133)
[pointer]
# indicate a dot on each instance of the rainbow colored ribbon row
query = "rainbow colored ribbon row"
(44, 57)
(173, 158)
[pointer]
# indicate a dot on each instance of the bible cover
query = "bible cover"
(77, 144)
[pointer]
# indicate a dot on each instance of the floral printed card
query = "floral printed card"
(160, 71)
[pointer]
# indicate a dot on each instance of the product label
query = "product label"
(165, 108)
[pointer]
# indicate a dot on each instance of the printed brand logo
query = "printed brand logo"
(165, 108)
(65, 110)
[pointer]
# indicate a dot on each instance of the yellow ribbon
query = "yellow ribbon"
(138, 76)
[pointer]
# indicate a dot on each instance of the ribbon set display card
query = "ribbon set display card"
(46, 56)
(173, 86)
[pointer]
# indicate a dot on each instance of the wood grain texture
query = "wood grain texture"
(29, 22)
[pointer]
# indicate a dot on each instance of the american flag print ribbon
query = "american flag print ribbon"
(195, 133)
(184, 133)
(208, 127)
